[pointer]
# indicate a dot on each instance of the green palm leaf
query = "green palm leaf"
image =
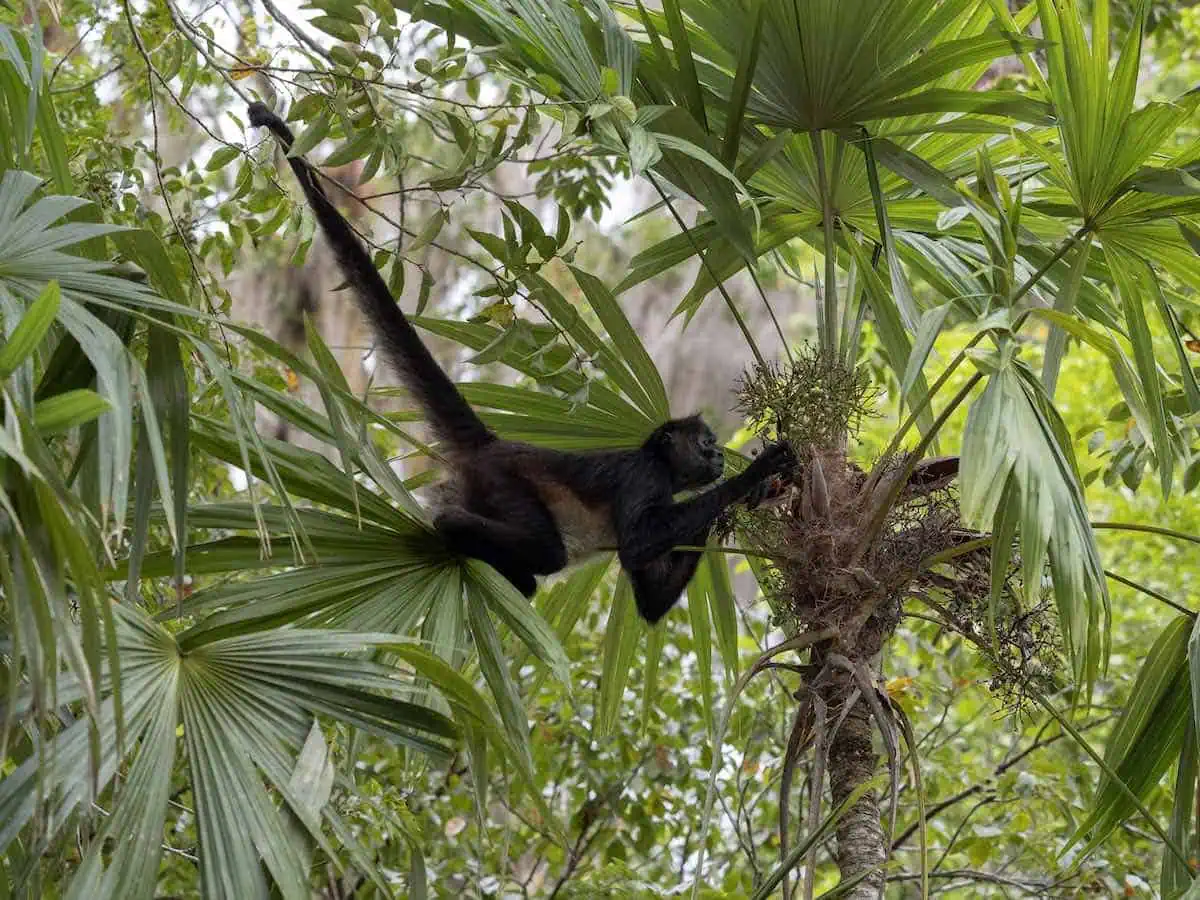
(245, 705)
(1147, 738)
(1017, 465)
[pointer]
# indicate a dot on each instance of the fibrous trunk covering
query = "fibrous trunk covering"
(848, 548)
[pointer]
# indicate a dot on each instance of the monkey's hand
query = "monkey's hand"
(760, 492)
(768, 491)
(776, 459)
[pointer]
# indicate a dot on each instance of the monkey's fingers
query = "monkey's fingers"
(757, 494)
(768, 492)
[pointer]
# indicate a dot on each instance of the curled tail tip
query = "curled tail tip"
(260, 116)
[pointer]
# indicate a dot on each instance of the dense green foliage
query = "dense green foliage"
(238, 666)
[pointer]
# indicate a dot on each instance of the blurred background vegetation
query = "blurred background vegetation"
(236, 663)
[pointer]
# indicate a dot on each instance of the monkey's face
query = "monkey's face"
(694, 454)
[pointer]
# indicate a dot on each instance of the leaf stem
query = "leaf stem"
(1111, 773)
(954, 552)
(1148, 529)
(881, 511)
(720, 285)
(1150, 592)
(829, 297)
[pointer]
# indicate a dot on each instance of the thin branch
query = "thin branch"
(787, 346)
(1150, 592)
(1148, 529)
(1003, 767)
(579, 850)
(83, 86)
(1116, 780)
(1040, 273)
(71, 52)
(720, 285)
(151, 74)
(1037, 888)
(198, 40)
(984, 801)
(294, 30)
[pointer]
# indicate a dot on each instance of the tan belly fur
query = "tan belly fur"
(585, 529)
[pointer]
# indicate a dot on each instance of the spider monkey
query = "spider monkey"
(529, 510)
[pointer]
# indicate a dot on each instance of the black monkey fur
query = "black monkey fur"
(529, 510)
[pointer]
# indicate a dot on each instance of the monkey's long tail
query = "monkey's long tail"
(449, 414)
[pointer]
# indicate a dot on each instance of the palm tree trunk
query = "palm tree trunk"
(852, 762)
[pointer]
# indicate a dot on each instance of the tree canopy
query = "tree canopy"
(946, 248)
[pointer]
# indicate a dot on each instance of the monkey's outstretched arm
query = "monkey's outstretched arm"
(659, 577)
(657, 587)
(647, 535)
(656, 531)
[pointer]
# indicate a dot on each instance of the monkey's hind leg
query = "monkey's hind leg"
(516, 553)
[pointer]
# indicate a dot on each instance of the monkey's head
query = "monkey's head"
(691, 450)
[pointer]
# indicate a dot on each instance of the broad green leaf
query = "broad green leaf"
(514, 610)
(686, 65)
(697, 593)
(566, 601)
(911, 166)
(610, 358)
(927, 333)
(347, 445)
(429, 231)
(30, 330)
(1014, 437)
(66, 411)
(131, 867)
(1149, 734)
(316, 132)
(901, 290)
(655, 639)
(626, 343)
(336, 27)
(644, 151)
(1175, 876)
(221, 158)
(355, 148)
(722, 604)
(245, 706)
(896, 344)
(550, 368)
(1056, 344)
(1136, 285)
(743, 81)
(622, 635)
(496, 673)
